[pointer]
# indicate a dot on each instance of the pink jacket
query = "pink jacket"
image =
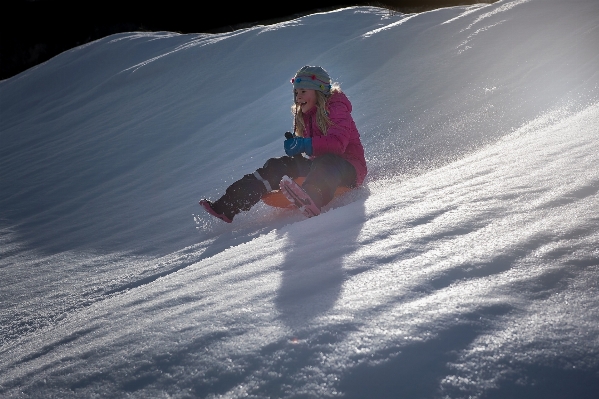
(342, 137)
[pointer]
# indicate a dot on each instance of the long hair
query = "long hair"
(322, 113)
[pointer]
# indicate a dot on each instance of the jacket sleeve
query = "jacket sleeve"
(338, 134)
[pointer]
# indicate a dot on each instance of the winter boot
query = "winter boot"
(208, 206)
(296, 195)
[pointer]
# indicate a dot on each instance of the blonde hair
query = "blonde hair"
(322, 113)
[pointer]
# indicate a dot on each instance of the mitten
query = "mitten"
(297, 145)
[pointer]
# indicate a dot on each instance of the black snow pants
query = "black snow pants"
(323, 175)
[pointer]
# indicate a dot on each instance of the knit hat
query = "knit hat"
(313, 78)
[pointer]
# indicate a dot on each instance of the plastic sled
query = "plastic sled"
(278, 200)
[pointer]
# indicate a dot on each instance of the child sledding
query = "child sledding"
(325, 150)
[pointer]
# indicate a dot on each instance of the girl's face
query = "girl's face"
(305, 98)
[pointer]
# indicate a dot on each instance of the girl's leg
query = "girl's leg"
(328, 172)
(247, 191)
(275, 168)
(239, 196)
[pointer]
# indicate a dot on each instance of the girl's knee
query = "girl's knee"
(273, 170)
(270, 163)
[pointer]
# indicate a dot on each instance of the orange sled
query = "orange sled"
(278, 200)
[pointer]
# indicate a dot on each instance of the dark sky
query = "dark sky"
(32, 31)
(174, 15)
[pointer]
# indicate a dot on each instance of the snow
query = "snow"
(466, 267)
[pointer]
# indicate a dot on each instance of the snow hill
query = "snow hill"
(466, 267)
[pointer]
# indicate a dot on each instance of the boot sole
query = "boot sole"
(297, 196)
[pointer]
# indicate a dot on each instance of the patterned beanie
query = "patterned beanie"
(313, 78)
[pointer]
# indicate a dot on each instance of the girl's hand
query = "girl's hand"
(297, 145)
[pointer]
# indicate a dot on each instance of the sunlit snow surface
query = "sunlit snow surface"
(466, 267)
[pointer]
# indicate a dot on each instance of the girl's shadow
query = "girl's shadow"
(312, 272)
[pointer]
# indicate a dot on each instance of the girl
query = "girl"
(325, 131)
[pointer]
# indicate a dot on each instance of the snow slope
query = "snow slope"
(467, 266)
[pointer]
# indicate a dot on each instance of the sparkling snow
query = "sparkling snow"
(466, 267)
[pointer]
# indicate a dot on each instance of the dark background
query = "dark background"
(33, 31)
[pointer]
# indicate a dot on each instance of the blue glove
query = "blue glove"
(297, 145)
